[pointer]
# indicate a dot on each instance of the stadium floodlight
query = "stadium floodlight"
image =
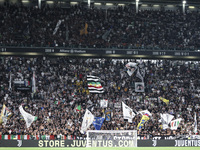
(121, 4)
(25, 1)
(73, 3)
(109, 4)
(144, 5)
(49, 2)
(97, 3)
(111, 138)
(170, 5)
(184, 1)
(191, 7)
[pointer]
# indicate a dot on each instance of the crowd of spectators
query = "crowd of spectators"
(63, 79)
(121, 28)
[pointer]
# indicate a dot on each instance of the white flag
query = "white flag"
(33, 83)
(5, 115)
(87, 121)
(166, 119)
(104, 103)
(127, 112)
(174, 124)
(195, 123)
(143, 112)
(57, 26)
(27, 117)
(20, 75)
(131, 66)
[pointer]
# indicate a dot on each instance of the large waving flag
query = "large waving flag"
(87, 121)
(98, 121)
(5, 115)
(166, 119)
(174, 124)
(166, 101)
(94, 84)
(131, 67)
(144, 119)
(27, 117)
(127, 112)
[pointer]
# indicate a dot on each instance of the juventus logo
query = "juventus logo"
(19, 143)
(154, 142)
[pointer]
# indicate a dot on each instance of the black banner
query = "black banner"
(108, 143)
(22, 85)
(90, 52)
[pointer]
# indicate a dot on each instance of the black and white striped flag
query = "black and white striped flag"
(94, 84)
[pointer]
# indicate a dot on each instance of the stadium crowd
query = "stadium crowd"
(63, 80)
(83, 27)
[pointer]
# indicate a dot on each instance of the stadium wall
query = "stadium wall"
(82, 143)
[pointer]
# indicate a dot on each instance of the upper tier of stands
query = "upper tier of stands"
(80, 26)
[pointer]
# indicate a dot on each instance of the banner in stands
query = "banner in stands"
(82, 143)
(100, 52)
(167, 137)
(139, 87)
(22, 85)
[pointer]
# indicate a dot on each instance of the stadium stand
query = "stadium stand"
(79, 26)
(64, 81)
(62, 96)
